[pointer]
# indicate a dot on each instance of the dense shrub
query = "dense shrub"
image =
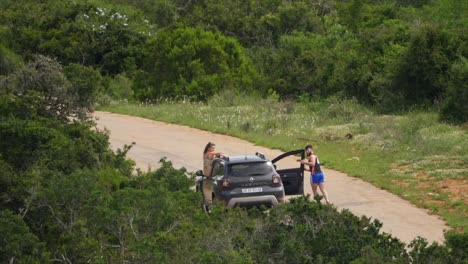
(43, 84)
(9, 61)
(19, 245)
(393, 56)
(455, 107)
(194, 63)
(76, 32)
(86, 84)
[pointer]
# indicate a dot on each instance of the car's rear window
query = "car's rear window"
(250, 169)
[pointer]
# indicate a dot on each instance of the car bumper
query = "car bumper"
(253, 200)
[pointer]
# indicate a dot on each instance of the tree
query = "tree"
(454, 107)
(194, 63)
(9, 61)
(86, 84)
(76, 32)
(43, 82)
(422, 73)
(19, 245)
(418, 74)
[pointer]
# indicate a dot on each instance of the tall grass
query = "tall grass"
(412, 155)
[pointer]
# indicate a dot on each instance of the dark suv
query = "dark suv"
(252, 180)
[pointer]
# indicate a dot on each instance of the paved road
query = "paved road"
(183, 146)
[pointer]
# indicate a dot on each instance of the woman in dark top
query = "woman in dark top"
(317, 178)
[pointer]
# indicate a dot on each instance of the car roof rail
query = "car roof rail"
(260, 155)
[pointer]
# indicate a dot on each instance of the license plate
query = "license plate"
(252, 190)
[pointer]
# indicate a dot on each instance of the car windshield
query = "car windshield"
(250, 169)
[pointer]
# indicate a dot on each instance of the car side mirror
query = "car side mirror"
(199, 173)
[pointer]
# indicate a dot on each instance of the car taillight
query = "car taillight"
(276, 180)
(225, 184)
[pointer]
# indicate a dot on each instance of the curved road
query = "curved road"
(183, 146)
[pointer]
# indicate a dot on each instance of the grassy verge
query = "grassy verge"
(411, 155)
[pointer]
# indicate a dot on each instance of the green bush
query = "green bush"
(454, 107)
(19, 245)
(86, 33)
(43, 83)
(86, 84)
(454, 250)
(9, 61)
(419, 76)
(119, 87)
(457, 243)
(194, 63)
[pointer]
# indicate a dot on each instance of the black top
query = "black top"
(316, 168)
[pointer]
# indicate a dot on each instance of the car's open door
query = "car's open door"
(291, 171)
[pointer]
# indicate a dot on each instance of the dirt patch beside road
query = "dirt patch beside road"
(183, 146)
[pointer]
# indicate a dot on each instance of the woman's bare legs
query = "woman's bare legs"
(324, 192)
(314, 189)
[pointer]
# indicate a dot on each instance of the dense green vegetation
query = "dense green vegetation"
(65, 196)
(391, 55)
